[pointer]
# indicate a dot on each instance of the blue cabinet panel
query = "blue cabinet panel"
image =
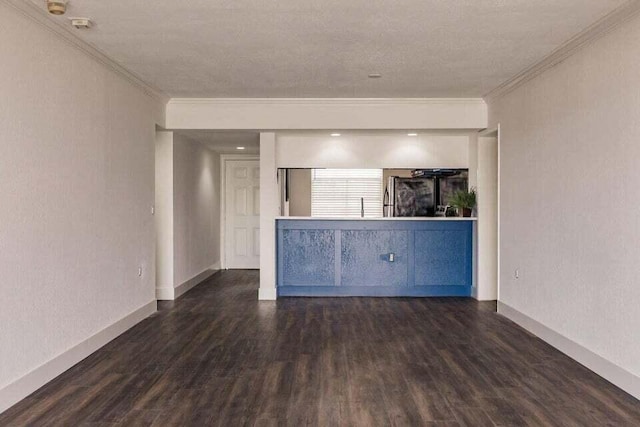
(308, 257)
(352, 257)
(443, 258)
(366, 257)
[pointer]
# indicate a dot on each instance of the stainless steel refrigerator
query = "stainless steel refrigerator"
(406, 197)
(410, 197)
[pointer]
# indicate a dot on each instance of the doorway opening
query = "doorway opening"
(241, 212)
(190, 215)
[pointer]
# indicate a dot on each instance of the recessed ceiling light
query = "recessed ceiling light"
(239, 148)
(412, 134)
(335, 134)
(375, 75)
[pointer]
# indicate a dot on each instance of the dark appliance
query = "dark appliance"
(410, 197)
(423, 194)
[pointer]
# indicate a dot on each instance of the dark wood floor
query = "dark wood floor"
(218, 357)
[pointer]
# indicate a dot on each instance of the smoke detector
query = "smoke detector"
(80, 23)
(57, 7)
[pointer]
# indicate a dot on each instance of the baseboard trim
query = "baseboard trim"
(373, 291)
(196, 280)
(267, 294)
(165, 294)
(613, 373)
(23, 387)
(168, 294)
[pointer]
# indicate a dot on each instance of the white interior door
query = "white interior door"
(242, 214)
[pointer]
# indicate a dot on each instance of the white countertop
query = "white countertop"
(412, 218)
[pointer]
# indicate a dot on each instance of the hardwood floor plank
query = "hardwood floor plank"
(218, 357)
(472, 417)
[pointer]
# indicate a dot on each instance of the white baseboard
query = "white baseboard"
(167, 294)
(483, 298)
(476, 295)
(23, 387)
(195, 280)
(267, 294)
(613, 373)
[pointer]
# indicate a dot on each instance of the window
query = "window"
(337, 192)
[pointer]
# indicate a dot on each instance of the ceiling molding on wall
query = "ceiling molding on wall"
(39, 16)
(599, 29)
(324, 102)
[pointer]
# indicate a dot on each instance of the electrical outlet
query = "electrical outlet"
(516, 273)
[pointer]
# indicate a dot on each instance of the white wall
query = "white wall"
(487, 212)
(164, 213)
(569, 202)
(372, 151)
(278, 114)
(269, 209)
(77, 186)
(300, 192)
(196, 209)
(187, 214)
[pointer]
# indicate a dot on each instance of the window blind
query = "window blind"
(337, 192)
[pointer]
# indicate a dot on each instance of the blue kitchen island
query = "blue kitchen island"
(399, 257)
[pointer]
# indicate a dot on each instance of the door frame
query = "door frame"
(224, 160)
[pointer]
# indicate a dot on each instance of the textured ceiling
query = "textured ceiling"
(326, 48)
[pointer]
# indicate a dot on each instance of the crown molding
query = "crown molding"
(592, 33)
(39, 16)
(319, 102)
